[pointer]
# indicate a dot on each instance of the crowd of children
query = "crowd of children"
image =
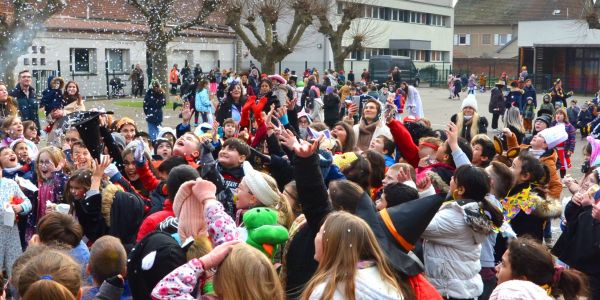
(268, 190)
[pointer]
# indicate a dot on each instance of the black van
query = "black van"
(381, 66)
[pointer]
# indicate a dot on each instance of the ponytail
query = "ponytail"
(569, 283)
(47, 289)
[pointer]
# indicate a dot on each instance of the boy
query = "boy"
(483, 150)
(229, 131)
(573, 112)
(395, 194)
(528, 114)
(583, 120)
(546, 107)
(108, 259)
(386, 147)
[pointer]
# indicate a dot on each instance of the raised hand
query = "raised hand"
(100, 166)
(186, 114)
(305, 149)
(217, 255)
(288, 139)
(403, 176)
(452, 133)
(423, 184)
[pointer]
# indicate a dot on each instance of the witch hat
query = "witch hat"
(88, 126)
(406, 222)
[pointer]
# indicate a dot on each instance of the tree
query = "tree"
(350, 28)
(268, 48)
(18, 27)
(163, 27)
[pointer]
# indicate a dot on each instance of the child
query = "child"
(528, 115)
(546, 107)
(229, 131)
(107, 259)
(428, 146)
(573, 112)
(583, 119)
(565, 149)
(163, 149)
(13, 199)
(31, 131)
(12, 127)
(386, 147)
(395, 194)
(26, 150)
(50, 275)
(53, 96)
(167, 133)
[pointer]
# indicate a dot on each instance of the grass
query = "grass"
(135, 103)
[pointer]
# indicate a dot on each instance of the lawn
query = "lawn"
(135, 103)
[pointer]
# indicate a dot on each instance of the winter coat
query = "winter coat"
(572, 132)
(331, 106)
(368, 286)
(317, 114)
(584, 118)
(496, 101)
(528, 112)
(229, 109)
(482, 125)
(202, 103)
(546, 108)
(381, 129)
(28, 105)
(413, 99)
(530, 92)
(452, 249)
(153, 104)
(572, 113)
(515, 98)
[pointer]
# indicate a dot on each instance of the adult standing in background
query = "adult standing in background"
(497, 106)
(413, 104)
(174, 79)
(197, 71)
(154, 101)
(24, 93)
(137, 81)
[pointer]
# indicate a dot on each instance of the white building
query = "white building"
(421, 29)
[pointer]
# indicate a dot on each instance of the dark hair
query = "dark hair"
(397, 193)
(359, 172)
(487, 149)
(345, 195)
(537, 171)
(363, 88)
(464, 145)
(82, 176)
(142, 134)
(58, 228)
(476, 183)
(418, 131)
(178, 176)
(377, 104)
(238, 145)
(502, 179)
(388, 145)
(168, 164)
(532, 260)
(24, 71)
(159, 142)
(267, 81)
(377, 162)
(350, 136)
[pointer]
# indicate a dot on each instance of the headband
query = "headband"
(259, 186)
(430, 145)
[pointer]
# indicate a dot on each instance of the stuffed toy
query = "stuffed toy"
(264, 233)
(255, 107)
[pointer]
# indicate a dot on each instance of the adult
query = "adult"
(468, 121)
(137, 81)
(529, 91)
(72, 98)
(186, 73)
(344, 134)
(231, 105)
(413, 100)
(369, 126)
(559, 97)
(25, 95)
(197, 71)
(8, 106)
(351, 76)
(365, 77)
(174, 79)
(331, 107)
(396, 75)
(154, 101)
(496, 106)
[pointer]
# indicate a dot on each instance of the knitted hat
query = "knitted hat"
(554, 135)
(344, 160)
(519, 290)
(545, 118)
(259, 186)
(470, 101)
(329, 90)
(164, 130)
(595, 157)
(303, 113)
(189, 207)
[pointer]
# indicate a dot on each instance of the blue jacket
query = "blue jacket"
(202, 103)
(530, 92)
(28, 104)
(153, 104)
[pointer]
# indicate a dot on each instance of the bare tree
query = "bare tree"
(163, 27)
(18, 27)
(268, 48)
(347, 28)
(591, 13)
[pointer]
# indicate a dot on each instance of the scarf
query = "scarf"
(365, 133)
(537, 153)
(518, 202)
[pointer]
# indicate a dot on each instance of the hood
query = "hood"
(476, 219)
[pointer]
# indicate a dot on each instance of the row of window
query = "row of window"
(34, 61)
(500, 39)
(416, 55)
(398, 15)
(41, 49)
(84, 60)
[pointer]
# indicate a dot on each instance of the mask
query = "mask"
(467, 118)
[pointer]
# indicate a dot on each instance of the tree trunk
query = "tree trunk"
(238, 54)
(338, 54)
(160, 69)
(268, 65)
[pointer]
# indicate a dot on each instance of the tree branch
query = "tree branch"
(254, 30)
(141, 7)
(208, 7)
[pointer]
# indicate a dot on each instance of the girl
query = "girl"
(31, 131)
(13, 200)
(127, 128)
(8, 106)
(452, 241)
(50, 275)
(50, 166)
(239, 266)
(202, 105)
(73, 100)
(13, 129)
(566, 148)
(344, 134)
(351, 263)
(527, 259)
(260, 189)
(468, 121)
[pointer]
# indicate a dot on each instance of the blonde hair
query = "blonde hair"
(562, 111)
(347, 239)
(474, 126)
(286, 216)
(108, 258)
(56, 156)
(406, 168)
(513, 118)
(199, 248)
(247, 274)
(50, 273)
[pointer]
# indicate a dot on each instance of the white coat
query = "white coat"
(368, 286)
(413, 104)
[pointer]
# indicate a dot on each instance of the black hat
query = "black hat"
(405, 223)
(88, 126)
(545, 118)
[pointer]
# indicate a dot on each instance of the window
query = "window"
(375, 13)
(502, 39)
(368, 11)
(34, 49)
(26, 61)
(42, 61)
(436, 56)
(419, 55)
(358, 55)
(43, 49)
(486, 39)
(83, 60)
(437, 20)
(462, 39)
(413, 17)
(34, 61)
(118, 59)
(395, 15)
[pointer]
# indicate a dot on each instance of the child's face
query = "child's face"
(56, 85)
(45, 165)
(71, 137)
(529, 101)
(229, 157)
(186, 145)
(381, 203)
(229, 130)
(77, 190)
(30, 132)
(425, 151)
(538, 142)
(477, 151)
(22, 152)
(82, 157)
(128, 132)
(15, 129)
(244, 197)
(8, 158)
(377, 145)
(559, 117)
(130, 169)
(441, 155)
(164, 150)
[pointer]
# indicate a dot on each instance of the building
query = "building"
(569, 51)
(421, 29)
(95, 41)
(486, 31)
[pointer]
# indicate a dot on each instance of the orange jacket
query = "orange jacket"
(174, 76)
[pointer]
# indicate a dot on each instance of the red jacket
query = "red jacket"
(404, 142)
(152, 221)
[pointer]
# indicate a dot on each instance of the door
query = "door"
(208, 59)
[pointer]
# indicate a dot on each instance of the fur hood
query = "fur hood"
(546, 207)
(478, 221)
(108, 196)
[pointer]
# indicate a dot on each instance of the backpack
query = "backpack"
(153, 258)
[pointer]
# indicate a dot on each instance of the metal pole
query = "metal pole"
(58, 67)
(107, 80)
(305, 64)
(279, 67)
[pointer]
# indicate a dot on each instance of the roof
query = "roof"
(510, 12)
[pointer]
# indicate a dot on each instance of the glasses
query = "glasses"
(45, 163)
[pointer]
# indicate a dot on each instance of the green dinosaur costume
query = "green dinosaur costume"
(264, 233)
